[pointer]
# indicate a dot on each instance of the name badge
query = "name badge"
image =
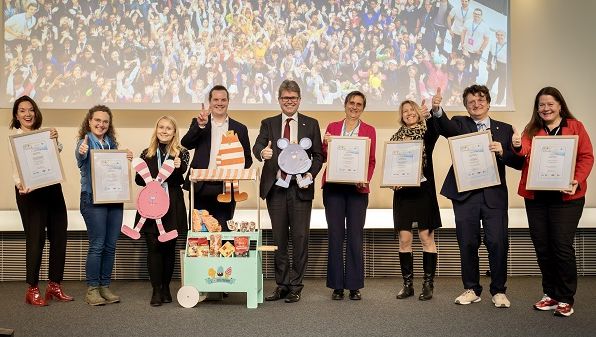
(471, 42)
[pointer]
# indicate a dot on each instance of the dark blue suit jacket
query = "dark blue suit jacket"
(199, 139)
(495, 196)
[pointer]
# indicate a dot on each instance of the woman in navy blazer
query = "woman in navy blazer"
(345, 207)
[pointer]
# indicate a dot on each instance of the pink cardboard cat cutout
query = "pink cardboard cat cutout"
(153, 201)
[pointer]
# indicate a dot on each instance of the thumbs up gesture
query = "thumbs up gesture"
(436, 101)
(267, 152)
(84, 147)
(203, 116)
(516, 138)
(177, 162)
(424, 109)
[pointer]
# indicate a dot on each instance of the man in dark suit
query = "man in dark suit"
(289, 207)
(488, 204)
(204, 136)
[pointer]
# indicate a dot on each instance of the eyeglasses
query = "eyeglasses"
(289, 98)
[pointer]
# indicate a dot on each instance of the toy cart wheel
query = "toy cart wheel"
(188, 296)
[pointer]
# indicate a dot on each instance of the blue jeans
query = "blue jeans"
(103, 223)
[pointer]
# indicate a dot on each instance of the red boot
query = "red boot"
(33, 297)
(55, 290)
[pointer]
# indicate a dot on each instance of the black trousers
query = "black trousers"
(468, 215)
(552, 225)
(161, 257)
(44, 209)
(290, 217)
(345, 211)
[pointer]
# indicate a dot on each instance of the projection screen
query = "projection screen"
(167, 54)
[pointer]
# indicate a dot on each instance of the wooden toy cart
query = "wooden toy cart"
(224, 274)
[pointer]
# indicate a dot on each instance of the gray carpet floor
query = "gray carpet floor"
(377, 314)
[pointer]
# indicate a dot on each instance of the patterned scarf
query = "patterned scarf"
(415, 132)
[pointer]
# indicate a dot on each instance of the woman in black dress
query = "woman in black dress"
(417, 206)
(161, 256)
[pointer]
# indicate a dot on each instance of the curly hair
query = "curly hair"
(84, 129)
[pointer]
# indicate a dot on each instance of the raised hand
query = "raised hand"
(424, 109)
(84, 147)
(496, 147)
(326, 138)
(267, 152)
(129, 155)
(516, 138)
(436, 101)
(574, 185)
(203, 116)
(53, 133)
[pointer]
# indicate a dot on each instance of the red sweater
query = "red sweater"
(365, 130)
(583, 164)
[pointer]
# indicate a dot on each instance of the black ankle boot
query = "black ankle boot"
(406, 261)
(166, 296)
(429, 261)
(156, 297)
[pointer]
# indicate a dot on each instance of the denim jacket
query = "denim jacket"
(84, 161)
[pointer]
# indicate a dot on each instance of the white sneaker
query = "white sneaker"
(501, 301)
(467, 297)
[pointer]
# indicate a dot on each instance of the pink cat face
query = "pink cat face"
(153, 201)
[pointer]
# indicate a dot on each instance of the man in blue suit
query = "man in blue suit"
(487, 205)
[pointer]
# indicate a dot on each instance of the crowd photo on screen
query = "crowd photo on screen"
(75, 53)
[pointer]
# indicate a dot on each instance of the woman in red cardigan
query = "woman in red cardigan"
(553, 216)
(345, 207)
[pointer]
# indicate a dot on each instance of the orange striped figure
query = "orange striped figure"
(230, 156)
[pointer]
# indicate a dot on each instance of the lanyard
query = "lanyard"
(463, 16)
(351, 133)
(497, 51)
(159, 163)
(474, 29)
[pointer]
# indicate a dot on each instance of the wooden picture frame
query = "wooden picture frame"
(552, 163)
(474, 165)
(347, 159)
(37, 159)
(402, 163)
(110, 176)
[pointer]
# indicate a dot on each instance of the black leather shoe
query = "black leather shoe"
(277, 294)
(293, 296)
(355, 295)
(338, 294)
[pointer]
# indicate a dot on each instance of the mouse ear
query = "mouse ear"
(282, 143)
(305, 143)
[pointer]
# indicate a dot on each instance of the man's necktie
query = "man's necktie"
(286, 135)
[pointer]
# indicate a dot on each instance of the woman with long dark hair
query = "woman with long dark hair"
(553, 216)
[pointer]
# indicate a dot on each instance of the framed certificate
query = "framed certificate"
(37, 159)
(402, 163)
(110, 176)
(347, 159)
(552, 163)
(474, 165)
